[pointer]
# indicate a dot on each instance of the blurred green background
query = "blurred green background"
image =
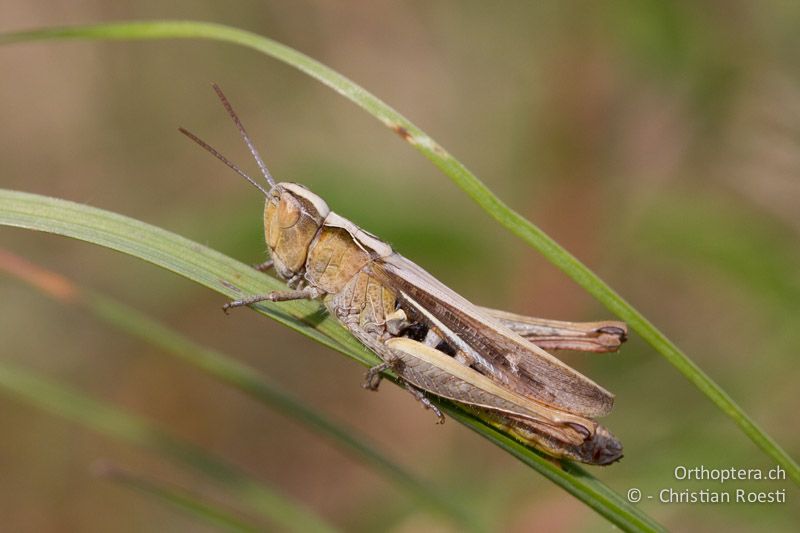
(657, 141)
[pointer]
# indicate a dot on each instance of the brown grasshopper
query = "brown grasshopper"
(490, 362)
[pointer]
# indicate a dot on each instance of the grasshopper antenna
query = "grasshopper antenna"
(245, 136)
(222, 158)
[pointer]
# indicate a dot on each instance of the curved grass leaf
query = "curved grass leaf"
(229, 277)
(238, 375)
(101, 417)
(456, 171)
(596, 495)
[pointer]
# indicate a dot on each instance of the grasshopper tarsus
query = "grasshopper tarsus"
(263, 267)
(425, 401)
(246, 301)
(373, 377)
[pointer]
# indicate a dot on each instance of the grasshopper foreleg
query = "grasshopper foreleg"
(309, 293)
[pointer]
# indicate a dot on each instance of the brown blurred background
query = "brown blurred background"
(657, 141)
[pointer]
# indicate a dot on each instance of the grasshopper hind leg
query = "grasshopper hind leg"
(373, 378)
(425, 401)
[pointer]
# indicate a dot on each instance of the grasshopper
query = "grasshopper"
(490, 362)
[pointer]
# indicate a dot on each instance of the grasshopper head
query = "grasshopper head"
(292, 213)
(292, 217)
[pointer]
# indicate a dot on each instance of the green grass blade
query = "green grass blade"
(98, 416)
(572, 477)
(456, 171)
(180, 498)
(238, 375)
(213, 269)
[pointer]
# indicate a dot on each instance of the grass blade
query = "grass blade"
(456, 171)
(574, 479)
(238, 375)
(72, 405)
(212, 269)
(180, 498)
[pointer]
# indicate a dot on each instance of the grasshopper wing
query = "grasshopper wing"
(493, 349)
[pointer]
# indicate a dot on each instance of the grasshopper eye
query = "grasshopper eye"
(289, 211)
